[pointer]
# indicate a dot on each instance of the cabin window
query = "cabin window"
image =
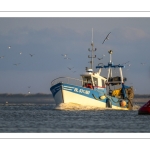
(86, 80)
(95, 80)
(103, 83)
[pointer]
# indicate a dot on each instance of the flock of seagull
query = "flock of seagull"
(105, 39)
(16, 64)
(65, 57)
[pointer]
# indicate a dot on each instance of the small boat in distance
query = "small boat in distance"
(93, 89)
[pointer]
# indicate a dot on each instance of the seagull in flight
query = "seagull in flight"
(142, 63)
(1, 56)
(16, 64)
(70, 68)
(129, 65)
(31, 55)
(100, 58)
(106, 38)
(101, 64)
(67, 58)
(126, 62)
(65, 55)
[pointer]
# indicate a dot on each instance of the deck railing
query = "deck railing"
(67, 80)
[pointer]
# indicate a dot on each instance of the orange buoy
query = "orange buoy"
(123, 103)
(145, 109)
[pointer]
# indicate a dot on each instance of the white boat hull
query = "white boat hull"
(67, 95)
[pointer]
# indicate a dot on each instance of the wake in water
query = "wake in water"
(73, 106)
(136, 106)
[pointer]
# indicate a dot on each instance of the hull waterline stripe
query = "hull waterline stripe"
(67, 86)
(67, 89)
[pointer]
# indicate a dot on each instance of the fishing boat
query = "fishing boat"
(94, 89)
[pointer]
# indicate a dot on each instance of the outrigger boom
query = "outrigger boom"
(116, 80)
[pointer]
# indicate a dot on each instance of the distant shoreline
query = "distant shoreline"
(25, 95)
(26, 98)
(142, 96)
(50, 95)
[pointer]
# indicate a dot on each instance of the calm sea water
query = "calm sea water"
(47, 118)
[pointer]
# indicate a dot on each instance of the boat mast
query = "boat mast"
(92, 52)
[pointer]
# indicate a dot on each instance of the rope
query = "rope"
(130, 102)
(96, 97)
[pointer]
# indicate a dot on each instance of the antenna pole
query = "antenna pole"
(92, 52)
(92, 44)
(92, 35)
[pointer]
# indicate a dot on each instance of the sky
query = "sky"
(47, 38)
(48, 35)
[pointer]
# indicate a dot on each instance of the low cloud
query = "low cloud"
(133, 34)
